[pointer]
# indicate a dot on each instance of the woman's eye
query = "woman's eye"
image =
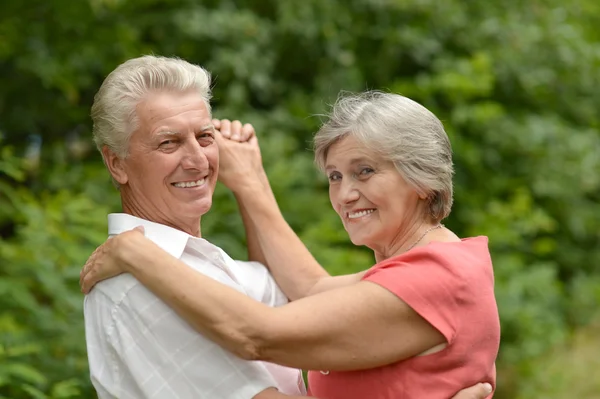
(334, 177)
(366, 171)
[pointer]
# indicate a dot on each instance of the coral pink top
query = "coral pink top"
(451, 285)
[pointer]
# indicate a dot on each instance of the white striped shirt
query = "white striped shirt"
(138, 347)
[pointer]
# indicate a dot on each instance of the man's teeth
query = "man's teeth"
(360, 213)
(189, 184)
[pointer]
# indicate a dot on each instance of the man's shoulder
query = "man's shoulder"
(123, 298)
(114, 289)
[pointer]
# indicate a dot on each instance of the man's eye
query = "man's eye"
(167, 143)
(205, 138)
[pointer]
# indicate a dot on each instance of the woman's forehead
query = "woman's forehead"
(349, 151)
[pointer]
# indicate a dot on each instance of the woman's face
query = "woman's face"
(373, 200)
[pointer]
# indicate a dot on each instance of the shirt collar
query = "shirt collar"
(169, 239)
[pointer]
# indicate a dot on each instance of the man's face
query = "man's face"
(172, 167)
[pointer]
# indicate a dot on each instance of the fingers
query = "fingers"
(234, 130)
(478, 391)
(247, 132)
(486, 389)
(86, 274)
(85, 283)
(225, 128)
(253, 140)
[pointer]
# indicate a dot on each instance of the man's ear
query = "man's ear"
(115, 165)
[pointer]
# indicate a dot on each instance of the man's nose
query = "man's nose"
(194, 157)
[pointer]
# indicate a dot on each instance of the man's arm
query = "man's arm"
(236, 132)
(255, 252)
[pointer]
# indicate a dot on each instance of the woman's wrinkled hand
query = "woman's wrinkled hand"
(104, 262)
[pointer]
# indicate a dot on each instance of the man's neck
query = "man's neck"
(192, 226)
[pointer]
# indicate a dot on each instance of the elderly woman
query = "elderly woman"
(422, 322)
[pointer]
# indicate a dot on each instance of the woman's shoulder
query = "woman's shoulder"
(451, 255)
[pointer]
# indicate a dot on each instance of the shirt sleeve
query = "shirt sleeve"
(157, 354)
(262, 286)
(429, 282)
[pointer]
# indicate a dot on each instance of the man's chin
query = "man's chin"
(198, 208)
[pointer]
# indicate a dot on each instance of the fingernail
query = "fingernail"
(487, 387)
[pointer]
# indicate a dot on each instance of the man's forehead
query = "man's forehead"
(164, 104)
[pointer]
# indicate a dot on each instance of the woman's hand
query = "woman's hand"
(240, 161)
(106, 262)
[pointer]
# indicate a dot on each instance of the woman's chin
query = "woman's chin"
(359, 241)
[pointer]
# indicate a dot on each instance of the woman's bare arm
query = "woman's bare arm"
(356, 327)
(296, 271)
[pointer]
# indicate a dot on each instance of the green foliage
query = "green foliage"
(572, 370)
(515, 84)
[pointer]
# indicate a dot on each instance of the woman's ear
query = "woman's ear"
(115, 165)
(424, 196)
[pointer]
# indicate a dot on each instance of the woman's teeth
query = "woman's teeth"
(189, 184)
(359, 214)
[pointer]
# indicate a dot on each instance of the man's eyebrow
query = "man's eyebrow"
(166, 132)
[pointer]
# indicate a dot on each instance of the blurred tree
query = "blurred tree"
(514, 82)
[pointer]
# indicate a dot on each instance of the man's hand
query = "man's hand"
(240, 162)
(234, 130)
(479, 391)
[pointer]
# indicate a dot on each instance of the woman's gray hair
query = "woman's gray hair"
(114, 110)
(399, 130)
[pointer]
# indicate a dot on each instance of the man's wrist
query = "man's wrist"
(256, 185)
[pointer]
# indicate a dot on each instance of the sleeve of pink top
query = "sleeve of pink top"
(429, 282)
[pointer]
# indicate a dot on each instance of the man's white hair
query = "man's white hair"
(114, 110)
(399, 130)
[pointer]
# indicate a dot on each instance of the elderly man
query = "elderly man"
(152, 123)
